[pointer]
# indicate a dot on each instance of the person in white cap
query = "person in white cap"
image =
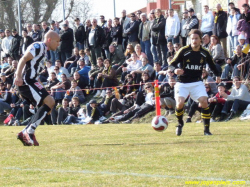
(242, 42)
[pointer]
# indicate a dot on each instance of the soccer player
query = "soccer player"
(29, 67)
(191, 60)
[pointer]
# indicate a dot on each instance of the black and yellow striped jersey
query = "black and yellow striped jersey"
(192, 62)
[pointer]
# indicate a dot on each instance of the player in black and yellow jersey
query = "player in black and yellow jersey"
(191, 60)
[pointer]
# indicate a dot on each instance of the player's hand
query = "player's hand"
(18, 81)
(179, 71)
(218, 80)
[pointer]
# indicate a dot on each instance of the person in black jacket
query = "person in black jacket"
(116, 34)
(220, 26)
(96, 38)
(45, 29)
(26, 41)
(15, 45)
(158, 37)
(5, 100)
(74, 107)
(66, 45)
(36, 34)
(80, 34)
(132, 30)
(93, 111)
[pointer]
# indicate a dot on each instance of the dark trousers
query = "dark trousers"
(17, 112)
(234, 106)
(194, 106)
(26, 112)
(217, 108)
(184, 41)
(116, 105)
(58, 116)
(95, 53)
(99, 83)
(64, 56)
(140, 98)
(162, 54)
(124, 43)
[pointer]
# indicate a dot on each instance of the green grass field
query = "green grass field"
(126, 155)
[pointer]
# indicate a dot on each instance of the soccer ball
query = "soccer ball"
(159, 123)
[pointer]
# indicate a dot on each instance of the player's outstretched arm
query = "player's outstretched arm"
(27, 57)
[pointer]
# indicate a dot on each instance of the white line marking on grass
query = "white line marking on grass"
(125, 173)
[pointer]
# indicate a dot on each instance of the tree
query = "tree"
(37, 11)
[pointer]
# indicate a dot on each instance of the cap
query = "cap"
(92, 101)
(221, 84)
(132, 15)
(116, 18)
(190, 10)
(152, 11)
(52, 22)
(1, 30)
(231, 3)
(138, 12)
(14, 30)
(241, 37)
(65, 25)
(2, 74)
(185, 12)
(77, 19)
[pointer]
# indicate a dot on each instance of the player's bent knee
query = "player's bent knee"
(49, 101)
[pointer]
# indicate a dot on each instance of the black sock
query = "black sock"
(179, 114)
(37, 118)
(205, 115)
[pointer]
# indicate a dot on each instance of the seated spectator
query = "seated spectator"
(75, 91)
(209, 80)
(58, 73)
(116, 57)
(237, 100)
(49, 67)
(231, 66)
(92, 111)
(5, 99)
(106, 79)
(216, 50)
(135, 111)
(6, 81)
(62, 70)
(156, 75)
(217, 102)
(84, 57)
(88, 54)
(58, 116)
(58, 91)
(167, 96)
(171, 51)
(52, 81)
(243, 44)
(129, 51)
(84, 70)
(95, 70)
(11, 70)
(104, 105)
(74, 107)
(80, 81)
(72, 61)
(177, 46)
(196, 106)
(206, 41)
(139, 53)
(127, 87)
(169, 73)
(134, 65)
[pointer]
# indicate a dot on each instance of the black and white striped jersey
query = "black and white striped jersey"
(36, 65)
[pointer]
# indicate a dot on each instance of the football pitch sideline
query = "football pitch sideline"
(127, 155)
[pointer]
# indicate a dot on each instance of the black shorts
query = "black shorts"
(33, 92)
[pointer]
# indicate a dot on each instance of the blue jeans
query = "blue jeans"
(71, 119)
(72, 65)
(145, 47)
(173, 40)
(154, 53)
(124, 43)
(233, 42)
(4, 106)
(162, 54)
(226, 71)
(64, 56)
(79, 46)
(54, 56)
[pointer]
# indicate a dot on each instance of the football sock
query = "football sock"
(205, 115)
(179, 114)
(37, 118)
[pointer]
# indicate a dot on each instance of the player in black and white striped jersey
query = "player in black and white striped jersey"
(29, 67)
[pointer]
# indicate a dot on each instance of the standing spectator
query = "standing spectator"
(2, 35)
(103, 23)
(232, 28)
(87, 30)
(192, 23)
(26, 42)
(95, 39)
(207, 22)
(15, 45)
(36, 34)
(80, 34)
(45, 29)
(53, 27)
(62, 70)
(158, 37)
(132, 30)
(116, 35)
(220, 26)
(6, 44)
(66, 45)
(184, 31)
(58, 26)
(153, 47)
(107, 40)
(5, 99)
(231, 6)
(124, 22)
(29, 29)
(144, 36)
(172, 28)
(138, 16)
(54, 54)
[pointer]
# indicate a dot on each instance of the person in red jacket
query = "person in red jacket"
(217, 102)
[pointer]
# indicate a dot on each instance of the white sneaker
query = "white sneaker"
(212, 120)
(103, 94)
(98, 93)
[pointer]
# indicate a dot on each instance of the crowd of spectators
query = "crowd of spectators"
(105, 72)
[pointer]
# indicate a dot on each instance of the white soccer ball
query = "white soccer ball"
(159, 123)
